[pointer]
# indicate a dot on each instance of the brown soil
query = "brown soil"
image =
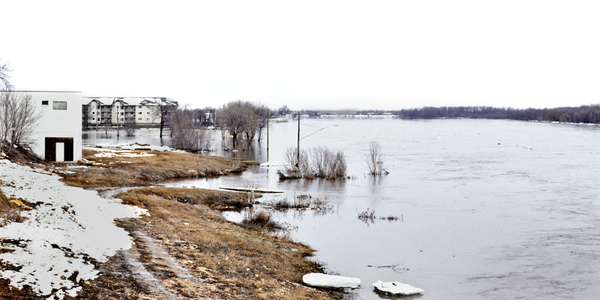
(185, 249)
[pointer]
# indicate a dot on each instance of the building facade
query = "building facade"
(124, 111)
(57, 136)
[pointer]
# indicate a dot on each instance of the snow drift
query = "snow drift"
(54, 248)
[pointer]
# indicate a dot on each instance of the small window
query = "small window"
(140, 113)
(44, 102)
(121, 113)
(148, 113)
(59, 105)
(139, 119)
(93, 113)
(147, 119)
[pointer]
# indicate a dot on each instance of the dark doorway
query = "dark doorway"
(67, 145)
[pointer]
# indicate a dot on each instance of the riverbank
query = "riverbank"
(183, 247)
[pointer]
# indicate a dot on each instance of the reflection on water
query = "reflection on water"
(490, 209)
(112, 136)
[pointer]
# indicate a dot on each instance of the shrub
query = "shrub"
(260, 221)
(375, 160)
(318, 162)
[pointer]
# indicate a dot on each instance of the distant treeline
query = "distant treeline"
(582, 114)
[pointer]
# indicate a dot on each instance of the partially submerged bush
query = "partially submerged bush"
(375, 160)
(368, 216)
(319, 162)
(302, 202)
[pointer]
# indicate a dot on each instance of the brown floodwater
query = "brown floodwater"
(483, 209)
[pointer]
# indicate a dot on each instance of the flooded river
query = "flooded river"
(484, 209)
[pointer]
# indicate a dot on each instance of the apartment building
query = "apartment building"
(123, 111)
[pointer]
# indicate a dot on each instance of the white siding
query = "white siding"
(57, 123)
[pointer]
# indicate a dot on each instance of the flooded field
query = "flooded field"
(482, 209)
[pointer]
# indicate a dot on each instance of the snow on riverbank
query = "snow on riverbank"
(52, 249)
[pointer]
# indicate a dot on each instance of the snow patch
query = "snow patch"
(54, 248)
(110, 153)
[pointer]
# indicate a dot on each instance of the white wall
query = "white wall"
(58, 123)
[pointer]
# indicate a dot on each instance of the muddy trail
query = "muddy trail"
(147, 271)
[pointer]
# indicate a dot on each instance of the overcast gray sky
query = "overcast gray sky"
(310, 54)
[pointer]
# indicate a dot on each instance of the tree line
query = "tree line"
(238, 120)
(581, 114)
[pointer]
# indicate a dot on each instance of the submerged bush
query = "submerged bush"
(318, 162)
(374, 160)
(301, 202)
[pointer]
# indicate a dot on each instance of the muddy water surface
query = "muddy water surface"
(485, 209)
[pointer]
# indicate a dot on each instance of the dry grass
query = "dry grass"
(5, 203)
(234, 262)
(260, 221)
(224, 260)
(144, 171)
(219, 200)
(9, 211)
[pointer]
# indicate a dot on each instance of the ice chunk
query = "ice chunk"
(330, 281)
(396, 288)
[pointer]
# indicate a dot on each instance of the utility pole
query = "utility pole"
(298, 154)
(268, 116)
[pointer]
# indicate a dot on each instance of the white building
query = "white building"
(57, 136)
(118, 111)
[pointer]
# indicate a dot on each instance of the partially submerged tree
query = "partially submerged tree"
(374, 160)
(187, 133)
(164, 108)
(233, 118)
(243, 119)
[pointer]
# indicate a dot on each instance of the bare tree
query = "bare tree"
(233, 118)
(164, 107)
(261, 112)
(375, 160)
(4, 77)
(243, 118)
(187, 133)
(17, 113)
(17, 118)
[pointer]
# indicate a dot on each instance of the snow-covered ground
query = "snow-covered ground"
(110, 153)
(53, 246)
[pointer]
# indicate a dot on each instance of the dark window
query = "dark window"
(44, 102)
